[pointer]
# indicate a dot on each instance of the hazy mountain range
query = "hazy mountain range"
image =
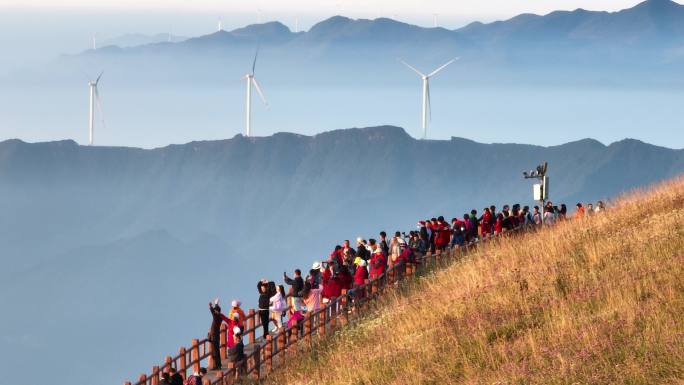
(121, 248)
(639, 45)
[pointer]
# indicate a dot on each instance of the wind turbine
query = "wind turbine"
(220, 25)
(94, 98)
(251, 80)
(426, 90)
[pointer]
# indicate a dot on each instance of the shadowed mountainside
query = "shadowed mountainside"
(107, 238)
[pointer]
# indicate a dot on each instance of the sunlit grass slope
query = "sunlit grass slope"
(593, 301)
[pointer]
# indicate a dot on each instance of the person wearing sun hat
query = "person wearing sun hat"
(235, 309)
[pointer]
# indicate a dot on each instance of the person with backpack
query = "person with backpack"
(214, 335)
(296, 287)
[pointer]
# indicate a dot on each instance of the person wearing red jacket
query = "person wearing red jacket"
(345, 278)
(498, 225)
(360, 277)
(486, 222)
(443, 234)
(378, 263)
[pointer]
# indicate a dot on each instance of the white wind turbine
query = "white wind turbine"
(426, 91)
(94, 98)
(251, 80)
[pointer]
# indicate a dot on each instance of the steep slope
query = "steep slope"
(597, 300)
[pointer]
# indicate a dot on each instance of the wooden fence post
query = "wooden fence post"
(223, 344)
(257, 362)
(333, 313)
(155, 375)
(307, 327)
(251, 325)
(269, 353)
(345, 312)
(280, 347)
(210, 360)
(194, 356)
(294, 338)
(182, 364)
(324, 321)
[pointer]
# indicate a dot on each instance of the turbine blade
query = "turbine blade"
(433, 73)
(98, 77)
(255, 59)
(411, 67)
(258, 89)
(98, 103)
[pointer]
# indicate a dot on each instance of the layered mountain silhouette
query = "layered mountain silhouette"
(124, 246)
(639, 45)
(70, 196)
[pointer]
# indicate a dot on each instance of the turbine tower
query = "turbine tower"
(251, 80)
(426, 91)
(94, 98)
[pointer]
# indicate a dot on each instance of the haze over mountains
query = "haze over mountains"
(531, 79)
(647, 37)
(122, 247)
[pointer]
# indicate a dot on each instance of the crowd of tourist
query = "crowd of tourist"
(347, 268)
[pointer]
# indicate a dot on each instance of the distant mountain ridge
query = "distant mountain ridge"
(642, 44)
(185, 180)
(639, 24)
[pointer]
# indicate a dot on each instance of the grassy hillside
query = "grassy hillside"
(595, 301)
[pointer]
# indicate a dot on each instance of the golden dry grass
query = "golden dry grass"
(594, 301)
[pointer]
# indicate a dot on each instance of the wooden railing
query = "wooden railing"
(266, 352)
